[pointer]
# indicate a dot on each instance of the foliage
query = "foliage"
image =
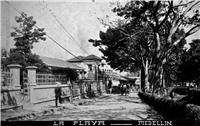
(164, 19)
(121, 51)
(171, 67)
(190, 64)
(173, 110)
(25, 36)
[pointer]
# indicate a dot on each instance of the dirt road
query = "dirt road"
(106, 107)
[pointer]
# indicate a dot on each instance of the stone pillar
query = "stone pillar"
(15, 71)
(32, 81)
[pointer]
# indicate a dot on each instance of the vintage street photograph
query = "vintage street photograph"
(100, 62)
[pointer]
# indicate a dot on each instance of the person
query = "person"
(58, 93)
(124, 89)
(110, 86)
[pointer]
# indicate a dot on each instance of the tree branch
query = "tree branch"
(185, 4)
(187, 34)
(189, 8)
(166, 16)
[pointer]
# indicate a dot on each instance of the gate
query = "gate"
(25, 87)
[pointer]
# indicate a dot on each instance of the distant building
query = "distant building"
(105, 67)
(90, 63)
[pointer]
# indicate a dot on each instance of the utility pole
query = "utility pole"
(5, 19)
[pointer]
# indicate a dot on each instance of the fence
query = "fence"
(40, 87)
(50, 79)
(78, 90)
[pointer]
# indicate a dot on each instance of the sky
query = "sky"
(79, 19)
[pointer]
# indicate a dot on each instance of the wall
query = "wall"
(43, 93)
(86, 88)
(13, 97)
(46, 93)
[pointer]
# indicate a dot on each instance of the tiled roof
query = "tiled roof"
(59, 63)
(116, 76)
(82, 58)
(92, 57)
(76, 59)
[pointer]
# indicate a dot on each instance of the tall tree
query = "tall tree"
(161, 18)
(25, 36)
(124, 52)
(164, 18)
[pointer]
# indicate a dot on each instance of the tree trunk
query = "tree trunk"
(147, 75)
(142, 79)
(157, 69)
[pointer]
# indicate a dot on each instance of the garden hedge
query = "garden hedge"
(171, 109)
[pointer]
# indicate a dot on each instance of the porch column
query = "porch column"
(15, 71)
(32, 81)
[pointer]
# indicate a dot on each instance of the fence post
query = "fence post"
(15, 70)
(32, 81)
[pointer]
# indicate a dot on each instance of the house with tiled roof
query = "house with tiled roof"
(90, 63)
(76, 59)
(58, 63)
(92, 57)
(54, 63)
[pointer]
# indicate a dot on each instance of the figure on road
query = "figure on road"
(110, 86)
(124, 89)
(58, 93)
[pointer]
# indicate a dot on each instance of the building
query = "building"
(54, 63)
(105, 67)
(58, 63)
(90, 64)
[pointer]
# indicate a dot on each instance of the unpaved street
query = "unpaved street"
(106, 107)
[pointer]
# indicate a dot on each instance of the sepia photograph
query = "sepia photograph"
(100, 62)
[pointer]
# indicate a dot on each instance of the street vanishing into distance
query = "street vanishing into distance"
(105, 107)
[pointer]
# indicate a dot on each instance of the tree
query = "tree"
(164, 19)
(126, 53)
(25, 36)
(170, 68)
(190, 65)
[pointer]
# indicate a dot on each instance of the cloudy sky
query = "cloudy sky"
(79, 19)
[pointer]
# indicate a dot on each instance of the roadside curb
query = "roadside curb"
(50, 110)
(45, 111)
(34, 114)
